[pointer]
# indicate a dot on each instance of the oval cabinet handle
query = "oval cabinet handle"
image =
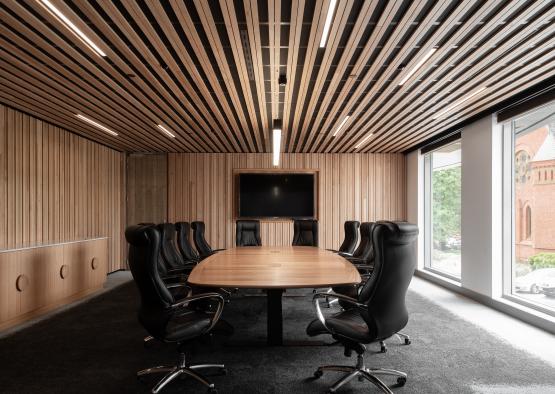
(22, 282)
(64, 271)
(94, 263)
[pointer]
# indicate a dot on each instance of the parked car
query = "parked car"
(547, 287)
(530, 283)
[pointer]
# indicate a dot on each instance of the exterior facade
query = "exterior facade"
(535, 192)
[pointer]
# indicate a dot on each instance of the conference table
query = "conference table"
(274, 269)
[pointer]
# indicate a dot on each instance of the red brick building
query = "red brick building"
(535, 192)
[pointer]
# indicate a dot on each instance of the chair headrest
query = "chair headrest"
(141, 234)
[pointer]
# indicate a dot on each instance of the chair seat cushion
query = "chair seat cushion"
(347, 323)
(186, 326)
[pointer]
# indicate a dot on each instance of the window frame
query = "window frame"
(428, 212)
(509, 220)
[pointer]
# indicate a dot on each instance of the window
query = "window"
(529, 204)
(442, 217)
(528, 222)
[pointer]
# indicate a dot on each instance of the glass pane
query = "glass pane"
(446, 210)
(533, 270)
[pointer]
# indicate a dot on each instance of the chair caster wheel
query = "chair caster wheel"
(401, 381)
(224, 371)
(318, 374)
(212, 390)
(407, 341)
(330, 391)
(383, 349)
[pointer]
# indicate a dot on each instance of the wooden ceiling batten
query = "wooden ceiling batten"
(489, 62)
(209, 70)
(462, 57)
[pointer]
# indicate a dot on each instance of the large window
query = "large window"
(442, 217)
(529, 162)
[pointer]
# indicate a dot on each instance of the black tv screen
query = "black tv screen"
(276, 195)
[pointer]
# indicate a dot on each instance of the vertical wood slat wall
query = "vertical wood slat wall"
(56, 187)
(364, 187)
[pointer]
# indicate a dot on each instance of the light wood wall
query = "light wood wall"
(56, 187)
(364, 187)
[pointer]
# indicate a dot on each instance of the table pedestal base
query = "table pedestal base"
(275, 317)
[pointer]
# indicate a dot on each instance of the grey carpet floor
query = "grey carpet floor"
(96, 347)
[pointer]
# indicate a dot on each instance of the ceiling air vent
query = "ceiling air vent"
(247, 52)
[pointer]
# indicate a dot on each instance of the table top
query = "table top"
(267, 267)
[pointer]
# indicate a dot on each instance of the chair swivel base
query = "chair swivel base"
(361, 372)
(182, 369)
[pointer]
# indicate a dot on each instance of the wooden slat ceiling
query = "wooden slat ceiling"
(208, 70)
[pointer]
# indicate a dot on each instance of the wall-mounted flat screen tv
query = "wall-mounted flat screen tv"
(276, 195)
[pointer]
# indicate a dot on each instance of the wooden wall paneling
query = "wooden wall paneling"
(54, 186)
(350, 187)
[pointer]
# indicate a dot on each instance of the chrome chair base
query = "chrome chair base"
(403, 338)
(362, 372)
(172, 372)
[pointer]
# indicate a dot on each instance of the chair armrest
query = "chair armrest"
(319, 313)
(176, 285)
(346, 255)
(217, 250)
(356, 260)
(333, 250)
(214, 296)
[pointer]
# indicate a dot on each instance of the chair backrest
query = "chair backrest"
(184, 242)
(351, 237)
(144, 251)
(247, 233)
(394, 264)
(203, 248)
(170, 255)
(365, 249)
(305, 233)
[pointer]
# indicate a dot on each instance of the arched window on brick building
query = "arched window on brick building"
(528, 222)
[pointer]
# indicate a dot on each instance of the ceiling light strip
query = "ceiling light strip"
(364, 140)
(70, 26)
(459, 102)
(96, 124)
(166, 131)
(327, 24)
(417, 66)
(341, 125)
(276, 146)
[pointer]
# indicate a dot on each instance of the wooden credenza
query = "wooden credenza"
(38, 279)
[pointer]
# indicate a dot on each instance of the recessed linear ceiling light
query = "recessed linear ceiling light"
(341, 125)
(458, 102)
(364, 140)
(276, 142)
(166, 131)
(417, 66)
(327, 24)
(90, 121)
(68, 24)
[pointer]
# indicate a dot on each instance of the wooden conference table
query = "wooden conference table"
(274, 268)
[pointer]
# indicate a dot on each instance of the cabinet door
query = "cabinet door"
(74, 270)
(97, 264)
(9, 295)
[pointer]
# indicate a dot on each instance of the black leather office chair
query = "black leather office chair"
(184, 242)
(247, 233)
(165, 318)
(379, 311)
(203, 248)
(363, 256)
(351, 238)
(170, 255)
(305, 233)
